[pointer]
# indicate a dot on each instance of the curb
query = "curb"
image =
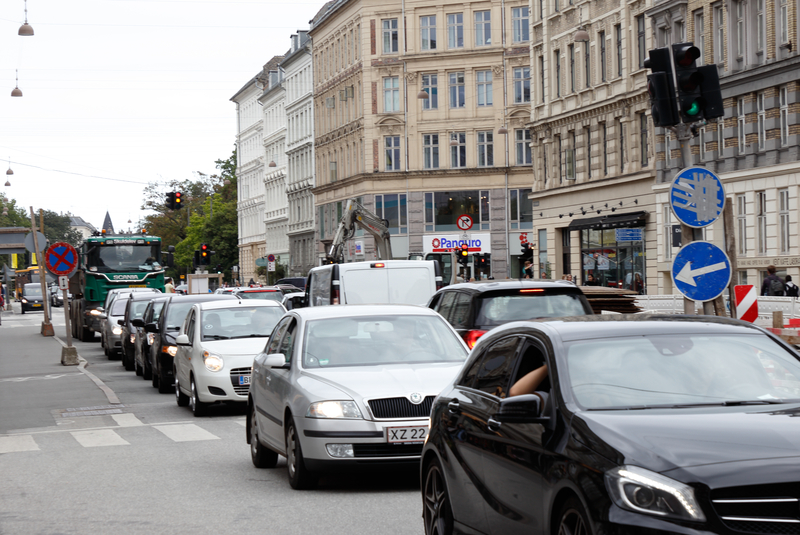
(82, 363)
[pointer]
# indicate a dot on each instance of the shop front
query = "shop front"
(613, 250)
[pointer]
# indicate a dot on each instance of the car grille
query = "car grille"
(239, 389)
(387, 450)
(394, 408)
(773, 509)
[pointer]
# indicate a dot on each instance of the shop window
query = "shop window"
(393, 208)
(520, 209)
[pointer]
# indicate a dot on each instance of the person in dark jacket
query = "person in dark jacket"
(791, 288)
(772, 285)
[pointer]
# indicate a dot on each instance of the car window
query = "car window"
(157, 308)
(190, 323)
(496, 367)
(239, 322)
(138, 309)
(275, 338)
(272, 295)
(460, 315)
(176, 314)
(446, 305)
(287, 343)
(527, 304)
(531, 358)
(118, 307)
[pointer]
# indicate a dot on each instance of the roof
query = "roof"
(77, 221)
(262, 75)
(108, 226)
(343, 311)
(197, 298)
(322, 12)
(511, 284)
(216, 304)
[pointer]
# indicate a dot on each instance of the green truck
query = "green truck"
(109, 262)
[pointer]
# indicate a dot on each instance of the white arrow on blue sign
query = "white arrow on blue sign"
(697, 197)
(701, 271)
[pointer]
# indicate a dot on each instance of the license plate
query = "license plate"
(405, 435)
(36, 305)
(137, 286)
(244, 380)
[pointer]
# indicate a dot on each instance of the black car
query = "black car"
(32, 297)
(298, 282)
(642, 424)
(474, 308)
(163, 347)
(141, 352)
(136, 305)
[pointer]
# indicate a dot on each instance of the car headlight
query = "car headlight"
(213, 362)
(116, 330)
(334, 409)
(150, 338)
(170, 350)
(643, 491)
(133, 338)
(95, 312)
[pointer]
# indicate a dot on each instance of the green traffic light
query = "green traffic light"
(694, 109)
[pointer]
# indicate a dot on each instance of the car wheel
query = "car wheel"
(573, 519)
(299, 477)
(180, 397)
(139, 370)
(23, 310)
(156, 375)
(262, 456)
(147, 374)
(164, 384)
(197, 406)
(437, 513)
(128, 361)
(102, 341)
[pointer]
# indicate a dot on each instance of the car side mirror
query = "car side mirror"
(102, 316)
(151, 327)
(137, 322)
(183, 340)
(275, 360)
(121, 322)
(525, 409)
(100, 309)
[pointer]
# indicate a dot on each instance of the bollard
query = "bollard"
(777, 319)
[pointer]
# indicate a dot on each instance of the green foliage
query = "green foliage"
(57, 229)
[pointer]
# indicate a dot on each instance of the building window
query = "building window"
(557, 55)
(429, 212)
(783, 22)
(391, 94)
(522, 144)
(783, 93)
(520, 25)
(761, 29)
(455, 30)
(483, 28)
(571, 49)
(560, 160)
(392, 153)
(484, 79)
(457, 97)
(643, 137)
(522, 84)
(621, 141)
(667, 231)
(783, 205)
(541, 77)
(740, 124)
(739, 7)
(702, 140)
(332, 171)
(390, 45)
(618, 33)
(485, 149)
(430, 85)
(741, 224)
(566, 248)
(570, 157)
(720, 138)
(762, 122)
(520, 209)
(640, 38)
(544, 265)
(394, 209)
(761, 221)
(430, 151)
(587, 65)
(442, 209)
(587, 140)
(458, 152)
(719, 35)
(427, 28)
(699, 35)
(541, 9)
(601, 37)
(604, 128)
(743, 278)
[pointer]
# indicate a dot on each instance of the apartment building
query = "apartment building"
(420, 112)
(755, 148)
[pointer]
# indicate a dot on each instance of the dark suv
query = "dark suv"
(474, 308)
(165, 330)
(141, 351)
(137, 303)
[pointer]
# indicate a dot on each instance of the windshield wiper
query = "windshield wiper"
(753, 402)
(251, 336)
(732, 403)
(215, 337)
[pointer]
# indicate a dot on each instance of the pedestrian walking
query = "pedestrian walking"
(772, 285)
(169, 287)
(791, 288)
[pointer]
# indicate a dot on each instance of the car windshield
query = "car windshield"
(669, 370)
(33, 290)
(271, 295)
(138, 309)
(125, 257)
(239, 322)
(527, 304)
(176, 314)
(379, 340)
(118, 307)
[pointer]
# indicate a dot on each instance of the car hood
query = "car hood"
(699, 444)
(370, 382)
(237, 346)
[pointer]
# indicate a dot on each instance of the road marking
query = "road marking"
(127, 420)
(41, 377)
(17, 443)
(98, 438)
(186, 432)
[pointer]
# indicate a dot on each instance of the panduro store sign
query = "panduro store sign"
(478, 243)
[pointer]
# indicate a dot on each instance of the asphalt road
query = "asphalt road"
(73, 463)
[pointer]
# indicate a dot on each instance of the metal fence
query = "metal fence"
(673, 304)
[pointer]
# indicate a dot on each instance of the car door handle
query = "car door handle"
(453, 407)
(493, 425)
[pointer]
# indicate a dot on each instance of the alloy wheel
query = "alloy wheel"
(436, 513)
(572, 523)
(291, 455)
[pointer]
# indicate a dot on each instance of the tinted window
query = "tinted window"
(287, 344)
(526, 305)
(320, 290)
(32, 290)
(271, 295)
(176, 314)
(497, 365)
(275, 338)
(460, 316)
(446, 305)
(157, 308)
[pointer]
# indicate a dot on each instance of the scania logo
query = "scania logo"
(416, 398)
(126, 278)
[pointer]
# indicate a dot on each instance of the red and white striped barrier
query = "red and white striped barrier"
(746, 302)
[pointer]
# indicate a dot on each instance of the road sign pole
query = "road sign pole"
(47, 327)
(730, 248)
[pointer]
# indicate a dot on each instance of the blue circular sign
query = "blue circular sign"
(697, 197)
(701, 271)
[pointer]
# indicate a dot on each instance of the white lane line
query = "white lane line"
(17, 443)
(127, 420)
(186, 432)
(97, 438)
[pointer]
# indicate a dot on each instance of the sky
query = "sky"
(121, 93)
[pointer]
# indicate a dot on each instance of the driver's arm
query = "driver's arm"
(528, 383)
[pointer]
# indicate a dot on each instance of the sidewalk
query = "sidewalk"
(33, 383)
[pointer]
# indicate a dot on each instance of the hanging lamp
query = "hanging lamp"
(26, 30)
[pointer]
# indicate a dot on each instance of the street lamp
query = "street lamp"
(16, 92)
(26, 30)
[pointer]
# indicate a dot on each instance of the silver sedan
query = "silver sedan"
(339, 387)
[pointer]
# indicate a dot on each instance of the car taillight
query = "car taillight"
(335, 296)
(471, 337)
(377, 265)
(532, 291)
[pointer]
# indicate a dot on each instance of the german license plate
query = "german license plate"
(406, 435)
(244, 380)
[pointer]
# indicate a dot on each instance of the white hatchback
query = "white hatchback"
(216, 347)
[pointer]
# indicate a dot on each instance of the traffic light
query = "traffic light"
(177, 200)
(463, 253)
(171, 200)
(219, 268)
(661, 88)
(711, 92)
(689, 81)
(205, 254)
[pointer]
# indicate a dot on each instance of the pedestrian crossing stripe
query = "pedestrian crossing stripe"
(17, 443)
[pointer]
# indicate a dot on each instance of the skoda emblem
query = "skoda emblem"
(416, 398)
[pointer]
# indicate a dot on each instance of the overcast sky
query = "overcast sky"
(131, 91)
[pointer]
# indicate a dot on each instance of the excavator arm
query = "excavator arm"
(355, 216)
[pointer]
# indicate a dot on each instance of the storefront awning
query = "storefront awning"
(631, 219)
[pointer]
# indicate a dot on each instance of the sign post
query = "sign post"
(61, 259)
(47, 327)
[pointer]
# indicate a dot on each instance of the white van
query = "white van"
(410, 282)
